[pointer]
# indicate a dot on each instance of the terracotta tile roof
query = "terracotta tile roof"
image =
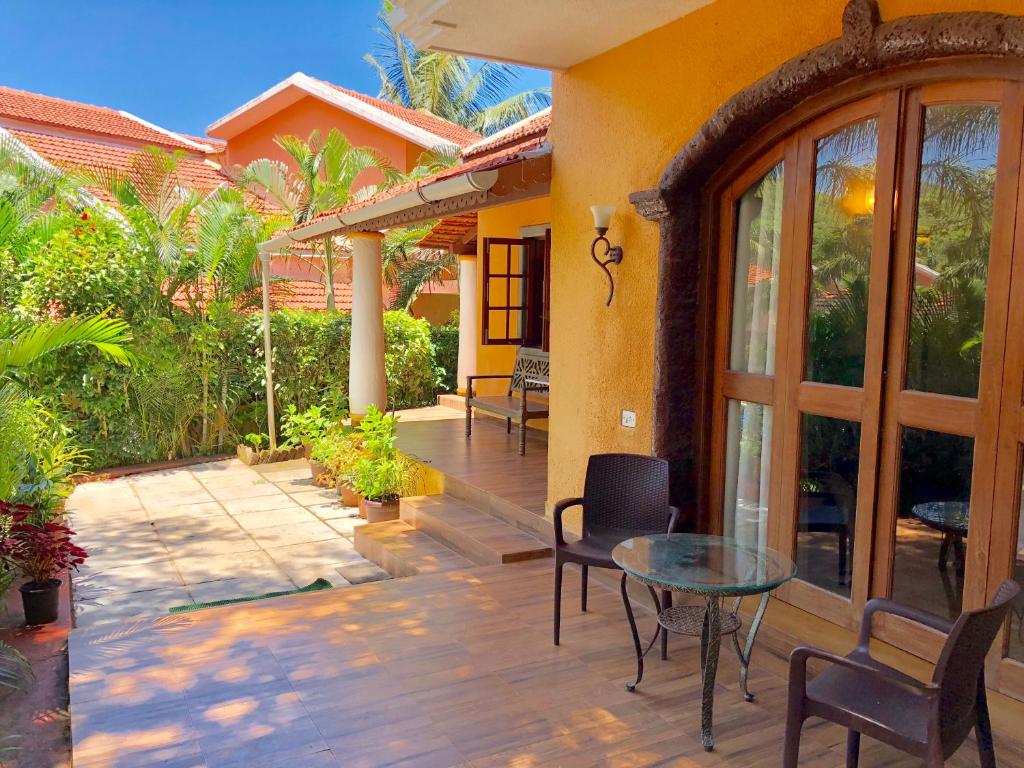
(448, 231)
(532, 127)
(757, 274)
(47, 110)
(498, 158)
(288, 294)
(194, 170)
(428, 122)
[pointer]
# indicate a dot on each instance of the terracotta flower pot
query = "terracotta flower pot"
(316, 469)
(378, 511)
(41, 600)
(349, 498)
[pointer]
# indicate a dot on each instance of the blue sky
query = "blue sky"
(184, 63)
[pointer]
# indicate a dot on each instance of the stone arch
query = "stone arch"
(868, 46)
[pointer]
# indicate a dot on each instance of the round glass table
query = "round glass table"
(716, 569)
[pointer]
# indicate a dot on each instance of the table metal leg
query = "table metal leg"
(745, 654)
(710, 643)
(640, 650)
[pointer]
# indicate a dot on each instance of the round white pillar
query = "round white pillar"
(468, 313)
(366, 383)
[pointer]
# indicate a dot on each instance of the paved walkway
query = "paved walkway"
(208, 532)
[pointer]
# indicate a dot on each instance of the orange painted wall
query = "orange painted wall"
(503, 221)
(619, 118)
(307, 114)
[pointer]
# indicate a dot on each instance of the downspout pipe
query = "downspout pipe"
(268, 360)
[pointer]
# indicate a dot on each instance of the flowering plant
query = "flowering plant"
(39, 550)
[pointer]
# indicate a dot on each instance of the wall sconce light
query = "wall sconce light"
(612, 253)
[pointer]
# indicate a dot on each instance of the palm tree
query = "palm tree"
(478, 97)
(323, 178)
(411, 269)
(158, 207)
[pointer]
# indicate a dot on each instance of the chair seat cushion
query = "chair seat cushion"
(887, 705)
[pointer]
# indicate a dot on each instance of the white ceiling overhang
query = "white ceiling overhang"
(551, 34)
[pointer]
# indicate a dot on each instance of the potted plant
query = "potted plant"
(40, 550)
(304, 428)
(382, 473)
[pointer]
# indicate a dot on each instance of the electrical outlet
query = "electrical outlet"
(629, 419)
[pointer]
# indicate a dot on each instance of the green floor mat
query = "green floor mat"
(316, 586)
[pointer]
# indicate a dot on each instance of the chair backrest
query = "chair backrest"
(531, 364)
(962, 662)
(625, 492)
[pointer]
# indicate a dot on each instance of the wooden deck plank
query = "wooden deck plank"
(450, 669)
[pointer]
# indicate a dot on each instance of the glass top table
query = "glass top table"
(715, 568)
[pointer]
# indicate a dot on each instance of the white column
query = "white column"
(468, 325)
(366, 383)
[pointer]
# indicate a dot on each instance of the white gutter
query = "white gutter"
(474, 181)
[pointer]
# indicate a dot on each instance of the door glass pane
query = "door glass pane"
(747, 471)
(1016, 634)
(756, 280)
(829, 461)
(931, 527)
(844, 213)
(954, 228)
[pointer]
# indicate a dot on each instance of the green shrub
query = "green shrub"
(88, 266)
(409, 364)
(446, 355)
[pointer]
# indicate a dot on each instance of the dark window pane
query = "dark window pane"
(829, 461)
(756, 287)
(844, 214)
(931, 528)
(954, 229)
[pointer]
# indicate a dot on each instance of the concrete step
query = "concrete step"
(470, 531)
(401, 550)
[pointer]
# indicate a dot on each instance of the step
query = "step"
(401, 550)
(505, 510)
(470, 531)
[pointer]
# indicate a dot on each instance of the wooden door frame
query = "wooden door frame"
(910, 408)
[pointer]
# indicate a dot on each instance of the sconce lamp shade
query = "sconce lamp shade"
(602, 215)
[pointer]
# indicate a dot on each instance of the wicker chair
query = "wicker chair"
(929, 720)
(624, 495)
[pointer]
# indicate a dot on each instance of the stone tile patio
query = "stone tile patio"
(208, 532)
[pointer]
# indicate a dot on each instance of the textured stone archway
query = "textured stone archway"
(868, 46)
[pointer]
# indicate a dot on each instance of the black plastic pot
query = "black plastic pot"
(41, 601)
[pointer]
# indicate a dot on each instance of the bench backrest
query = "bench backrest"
(531, 364)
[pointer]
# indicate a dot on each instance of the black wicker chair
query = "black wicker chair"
(625, 495)
(929, 720)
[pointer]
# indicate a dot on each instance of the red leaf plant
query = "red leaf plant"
(39, 550)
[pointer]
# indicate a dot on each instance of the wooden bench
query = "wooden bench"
(530, 376)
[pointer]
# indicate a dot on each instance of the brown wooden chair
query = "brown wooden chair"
(929, 720)
(624, 495)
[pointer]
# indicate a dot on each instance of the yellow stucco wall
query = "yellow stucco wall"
(618, 120)
(503, 221)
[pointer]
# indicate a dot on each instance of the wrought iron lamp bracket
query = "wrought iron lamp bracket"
(612, 255)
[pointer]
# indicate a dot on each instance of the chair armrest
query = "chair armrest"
(474, 377)
(798, 670)
(881, 605)
(560, 507)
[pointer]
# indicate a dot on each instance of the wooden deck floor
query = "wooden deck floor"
(453, 669)
(488, 460)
